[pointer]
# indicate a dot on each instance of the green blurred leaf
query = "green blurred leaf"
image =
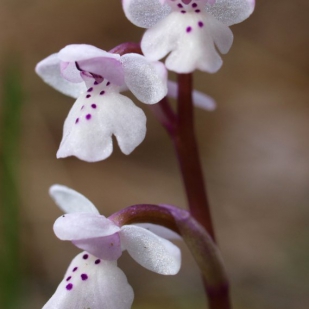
(10, 277)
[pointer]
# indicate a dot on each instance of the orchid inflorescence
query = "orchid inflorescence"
(191, 34)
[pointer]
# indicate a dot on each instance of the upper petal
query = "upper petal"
(49, 70)
(92, 121)
(76, 226)
(231, 12)
(146, 80)
(71, 201)
(107, 67)
(79, 52)
(70, 72)
(145, 13)
(151, 251)
(94, 60)
(92, 283)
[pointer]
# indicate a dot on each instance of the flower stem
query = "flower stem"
(187, 152)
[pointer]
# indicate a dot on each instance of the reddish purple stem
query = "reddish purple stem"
(187, 152)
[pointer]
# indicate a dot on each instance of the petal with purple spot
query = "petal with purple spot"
(94, 286)
(91, 138)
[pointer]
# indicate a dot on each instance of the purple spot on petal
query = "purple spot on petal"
(69, 278)
(69, 286)
(108, 83)
(200, 24)
(88, 96)
(82, 107)
(102, 92)
(95, 83)
(98, 261)
(194, 5)
(93, 105)
(85, 256)
(180, 5)
(88, 117)
(197, 11)
(90, 89)
(183, 12)
(189, 29)
(75, 269)
(84, 277)
(77, 120)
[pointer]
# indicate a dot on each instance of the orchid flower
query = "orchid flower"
(93, 279)
(96, 78)
(190, 30)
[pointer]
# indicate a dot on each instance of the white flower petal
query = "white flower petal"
(78, 226)
(231, 12)
(190, 39)
(144, 79)
(49, 70)
(71, 201)
(79, 52)
(160, 39)
(200, 99)
(92, 283)
(159, 230)
(151, 251)
(92, 121)
(145, 13)
(221, 34)
(106, 248)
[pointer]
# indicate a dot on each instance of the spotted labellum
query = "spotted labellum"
(189, 31)
(93, 279)
(96, 78)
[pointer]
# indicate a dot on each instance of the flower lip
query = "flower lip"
(202, 28)
(92, 283)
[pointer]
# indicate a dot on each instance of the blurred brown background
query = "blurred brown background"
(254, 150)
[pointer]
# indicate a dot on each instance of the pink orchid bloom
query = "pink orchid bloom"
(190, 31)
(93, 279)
(96, 78)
